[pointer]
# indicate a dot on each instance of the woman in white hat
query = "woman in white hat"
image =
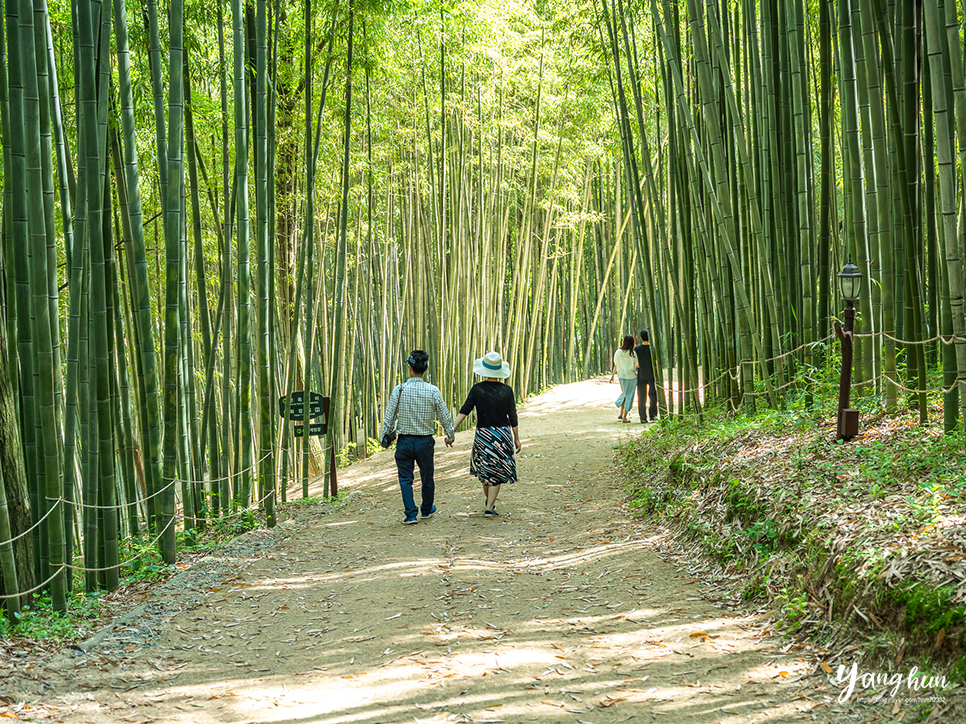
(497, 435)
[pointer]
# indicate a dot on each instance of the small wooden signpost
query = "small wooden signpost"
(295, 408)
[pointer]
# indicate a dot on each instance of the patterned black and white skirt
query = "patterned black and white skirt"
(492, 458)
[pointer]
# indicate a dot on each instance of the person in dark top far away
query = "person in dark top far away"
(645, 379)
(497, 434)
(413, 409)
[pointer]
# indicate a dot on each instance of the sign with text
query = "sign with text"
(314, 397)
(295, 408)
(316, 429)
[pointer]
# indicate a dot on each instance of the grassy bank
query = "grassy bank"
(859, 541)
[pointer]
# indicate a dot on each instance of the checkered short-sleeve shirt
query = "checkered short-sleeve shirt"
(413, 409)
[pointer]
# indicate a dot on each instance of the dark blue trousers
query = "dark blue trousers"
(645, 387)
(414, 450)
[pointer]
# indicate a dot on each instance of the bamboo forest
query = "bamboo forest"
(208, 207)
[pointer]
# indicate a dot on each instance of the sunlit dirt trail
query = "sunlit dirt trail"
(558, 611)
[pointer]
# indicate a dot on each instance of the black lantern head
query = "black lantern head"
(850, 282)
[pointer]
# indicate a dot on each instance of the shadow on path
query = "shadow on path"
(558, 611)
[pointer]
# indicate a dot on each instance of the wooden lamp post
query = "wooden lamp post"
(850, 283)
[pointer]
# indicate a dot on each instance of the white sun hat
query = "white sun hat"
(491, 365)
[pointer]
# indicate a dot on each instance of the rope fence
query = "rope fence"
(32, 528)
(172, 483)
(915, 390)
(245, 471)
(785, 386)
(813, 382)
(736, 376)
(952, 339)
(693, 390)
(36, 588)
(670, 392)
(148, 547)
(251, 508)
(119, 506)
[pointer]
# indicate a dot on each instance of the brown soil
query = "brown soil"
(561, 610)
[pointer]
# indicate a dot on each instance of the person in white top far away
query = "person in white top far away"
(625, 367)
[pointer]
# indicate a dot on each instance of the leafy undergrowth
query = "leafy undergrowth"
(866, 538)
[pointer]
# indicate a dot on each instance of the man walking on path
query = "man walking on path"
(412, 411)
(645, 379)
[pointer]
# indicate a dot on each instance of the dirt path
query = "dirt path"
(559, 611)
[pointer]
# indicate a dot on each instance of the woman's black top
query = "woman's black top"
(494, 402)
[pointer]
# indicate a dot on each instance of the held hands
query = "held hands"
(449, 443)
